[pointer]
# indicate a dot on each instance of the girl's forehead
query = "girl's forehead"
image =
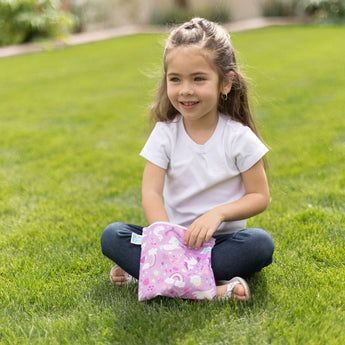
(186, 54)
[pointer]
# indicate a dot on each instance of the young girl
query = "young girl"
(204, 168)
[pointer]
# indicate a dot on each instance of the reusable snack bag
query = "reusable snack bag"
(169, 268)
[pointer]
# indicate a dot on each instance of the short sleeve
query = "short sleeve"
(248, 149)
(158, 147)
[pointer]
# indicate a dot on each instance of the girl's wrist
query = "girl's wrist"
(219, 214)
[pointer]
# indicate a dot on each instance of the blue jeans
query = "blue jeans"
(239, 254)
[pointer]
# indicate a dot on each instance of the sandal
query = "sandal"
(129, 278)
(230, 288)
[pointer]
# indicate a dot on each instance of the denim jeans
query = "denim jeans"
(239, 254)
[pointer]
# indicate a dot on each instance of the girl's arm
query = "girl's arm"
(152, 193)
(253, 202)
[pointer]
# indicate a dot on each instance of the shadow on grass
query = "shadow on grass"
(171, 320)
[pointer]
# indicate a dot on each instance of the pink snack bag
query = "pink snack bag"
(169, 268)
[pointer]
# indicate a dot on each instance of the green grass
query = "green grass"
(72, 124)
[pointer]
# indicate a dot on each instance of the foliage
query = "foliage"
(279, 8)
(326, 10)
(178, 15)
(332, 11)
(73, 123)
(26, 20)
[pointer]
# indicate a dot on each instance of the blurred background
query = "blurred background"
(23, 21)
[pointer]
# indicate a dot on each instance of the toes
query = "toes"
(239, 291)
(117, 276)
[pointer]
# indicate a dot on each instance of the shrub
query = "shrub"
(219, 14)
(177, 15)
(26, 20)
(326, 10)
(279, 8)
(173, 16)
(332, 11)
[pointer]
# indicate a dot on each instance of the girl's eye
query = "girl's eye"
(199, 79)
(174, 79)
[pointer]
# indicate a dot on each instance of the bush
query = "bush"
(177, 15)
(331, 11)
(326, 10)
(174, 16)
(27, 20)
(276, 8)
(218, 14)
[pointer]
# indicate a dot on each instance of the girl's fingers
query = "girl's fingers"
(198, 243)
(203, 238)
(189, 239)
(195, 237)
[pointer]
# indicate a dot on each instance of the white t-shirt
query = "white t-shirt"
(201, 177)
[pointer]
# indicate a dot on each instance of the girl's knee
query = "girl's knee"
(110, 230)
(266, 245)
(265, 238)
(261, 235)
(116, 233)
(265, 242)
(261, 243)
(109, 235)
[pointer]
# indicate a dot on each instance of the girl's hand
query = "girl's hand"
(202, 229)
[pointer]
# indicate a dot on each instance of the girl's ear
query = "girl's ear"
(227, 83)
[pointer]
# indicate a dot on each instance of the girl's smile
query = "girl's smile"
(189, 105)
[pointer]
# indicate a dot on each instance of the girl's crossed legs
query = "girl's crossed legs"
(239, 254)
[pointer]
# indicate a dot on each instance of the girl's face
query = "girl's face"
(193, 85)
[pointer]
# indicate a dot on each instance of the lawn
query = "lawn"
(72, 124)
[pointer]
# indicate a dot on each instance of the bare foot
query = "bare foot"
(118, 276)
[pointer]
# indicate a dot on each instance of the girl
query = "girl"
(204, 159)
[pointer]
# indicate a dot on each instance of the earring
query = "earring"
(225, 97)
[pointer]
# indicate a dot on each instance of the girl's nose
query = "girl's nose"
(186, 89)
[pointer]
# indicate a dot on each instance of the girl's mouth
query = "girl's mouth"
(189, 105)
